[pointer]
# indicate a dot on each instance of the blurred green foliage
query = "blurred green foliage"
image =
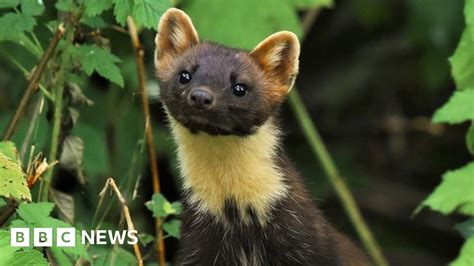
(112, 129)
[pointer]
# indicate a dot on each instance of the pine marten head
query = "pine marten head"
(219, 90)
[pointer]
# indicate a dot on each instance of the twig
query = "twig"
(337, 181)
(139, 54)
(126, 214)
(33, 84)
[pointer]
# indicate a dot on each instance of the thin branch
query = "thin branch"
(337, 181)
(139, 54)
(126, 214)
(33, 84)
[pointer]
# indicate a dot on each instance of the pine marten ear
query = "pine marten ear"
(176, 33)
(277, 55)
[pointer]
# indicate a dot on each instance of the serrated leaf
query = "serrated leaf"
(9, 3)
(459, 108)
(122, 9)
(462, 61)
(65, 5)
(38, 215)
(15, 256)
(161, 207)
(148, 12)
(465, 257)
(456, 190)
(28, 257)
(156, 205)
(242, 23)
(32, 7)
(12, 180)
(93, 58)
(172, 227)
(14, 24)
(470, 139)
(8, 148)
(466, 228)
(95, 7)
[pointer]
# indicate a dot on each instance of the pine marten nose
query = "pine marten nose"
(201, 98)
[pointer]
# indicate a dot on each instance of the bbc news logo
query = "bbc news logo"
(67, 237)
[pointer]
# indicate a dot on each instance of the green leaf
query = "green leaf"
(12, 180)
(146, 239)
(172, 227)
(122, 9)
(470, 139)
(28, 257)
(305, 4)
(459, 108)
(6, 251)
(15, 256)
(114, 254)
(65, 5)
(94, 58)
(456, 190)
(242, 23)
(95, 7)
(177, 207)
(94, 22)
(462, 61)
(148, 12)
(9, 3)
(38, 215)
(162, 207)
(156, 205)
(14, 24)
(35, 213)
(8, 148)
(32, 7)
(465, 257)
(466, 228)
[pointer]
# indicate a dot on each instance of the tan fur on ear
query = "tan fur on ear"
(278, 55)
(176, 33)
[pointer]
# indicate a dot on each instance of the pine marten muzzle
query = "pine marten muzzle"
(244, 203)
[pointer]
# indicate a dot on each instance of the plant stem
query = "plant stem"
(321, 153)
(342, 190)
(33, 84)
(139, 54)
(56, 132)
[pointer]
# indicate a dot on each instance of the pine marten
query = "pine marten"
(243, 201)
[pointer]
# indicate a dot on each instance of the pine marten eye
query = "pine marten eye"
(239, 90)
(184, 77)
